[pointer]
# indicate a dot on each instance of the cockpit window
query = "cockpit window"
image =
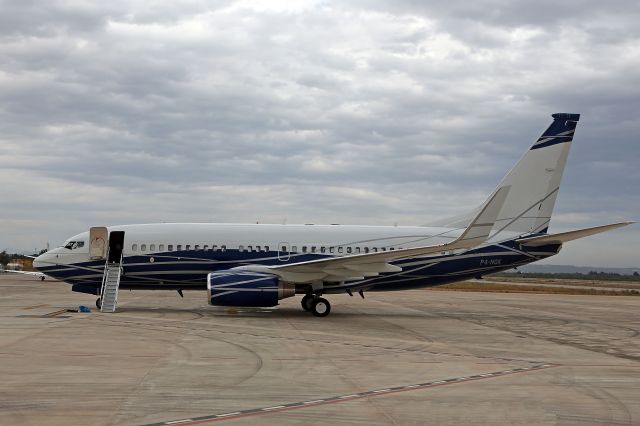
(72, 245)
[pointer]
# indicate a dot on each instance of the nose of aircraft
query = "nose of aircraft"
(41, 261)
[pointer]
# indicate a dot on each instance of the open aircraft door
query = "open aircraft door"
(98, 237)
(116, 244)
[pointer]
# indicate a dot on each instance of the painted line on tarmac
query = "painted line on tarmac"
(44, 305)
(54, 314)
(348, 397)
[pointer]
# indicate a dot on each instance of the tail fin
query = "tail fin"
(534, 181)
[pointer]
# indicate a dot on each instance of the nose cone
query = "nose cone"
(41, 261)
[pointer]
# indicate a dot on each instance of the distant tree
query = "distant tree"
(4, 258)
(636, 274)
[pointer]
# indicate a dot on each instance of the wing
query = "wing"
(33, 274)
(358, 266)
(563, 237)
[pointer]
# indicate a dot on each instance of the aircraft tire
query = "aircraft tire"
(306, 302)
(320, 307)
(98, 303)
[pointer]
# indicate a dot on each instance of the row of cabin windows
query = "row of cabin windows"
(339, 250)
(178, 247)
(294, 249)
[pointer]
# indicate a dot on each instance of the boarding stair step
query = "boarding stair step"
(110, 286)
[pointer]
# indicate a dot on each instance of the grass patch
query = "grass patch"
(591, 276)
(512, 288)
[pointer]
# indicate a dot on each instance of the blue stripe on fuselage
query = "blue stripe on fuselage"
(190, 269)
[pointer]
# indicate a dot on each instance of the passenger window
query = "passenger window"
(283, 248)
(196, 247)
(348, 249)
(322, 249)
(205, 247)
(240, 248)
(161, 247)
(304, 249)
(340, 249)
(258, 248)
(134, 247)
(391, 248)
(249, 248)
(187, 247)
(366, 249)
(266, 248)
(143, 247)
(383, 249)
(179, 247)
(214, 248)
(152, 247)
(357, 249)
(170, 247)
(313, 249)
(375, 250)
(223, 248)
(331, 249)
(294, 249)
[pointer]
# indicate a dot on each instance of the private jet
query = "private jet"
(257, 265)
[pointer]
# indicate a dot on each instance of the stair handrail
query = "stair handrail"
(115, 298)
(105, 275)
(105, 278)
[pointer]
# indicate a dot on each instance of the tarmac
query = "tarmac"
(413, 357)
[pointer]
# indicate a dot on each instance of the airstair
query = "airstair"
(110, 285)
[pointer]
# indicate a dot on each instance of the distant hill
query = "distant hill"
(570, 269)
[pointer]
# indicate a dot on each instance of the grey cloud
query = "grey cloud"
(331, 112)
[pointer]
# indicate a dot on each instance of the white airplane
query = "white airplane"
(258, 265)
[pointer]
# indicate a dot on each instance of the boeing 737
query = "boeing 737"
(257, 265)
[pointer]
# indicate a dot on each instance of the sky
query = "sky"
(353, 112)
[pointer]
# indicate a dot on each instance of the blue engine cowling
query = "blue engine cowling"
(238, 288)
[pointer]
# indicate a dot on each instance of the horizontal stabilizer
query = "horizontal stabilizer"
(563, 237)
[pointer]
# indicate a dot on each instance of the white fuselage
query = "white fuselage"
(179, 256)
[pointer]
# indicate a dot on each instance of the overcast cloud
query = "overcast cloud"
(363, 112)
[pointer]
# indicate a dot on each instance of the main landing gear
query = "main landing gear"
(318, 306)
(98, 303)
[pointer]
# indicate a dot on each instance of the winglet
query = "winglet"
(480, 227)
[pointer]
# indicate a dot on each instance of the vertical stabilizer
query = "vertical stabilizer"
(534, 181)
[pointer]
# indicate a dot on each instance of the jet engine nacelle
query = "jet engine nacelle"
(238, 288)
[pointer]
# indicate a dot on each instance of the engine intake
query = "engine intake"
(239, 288)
